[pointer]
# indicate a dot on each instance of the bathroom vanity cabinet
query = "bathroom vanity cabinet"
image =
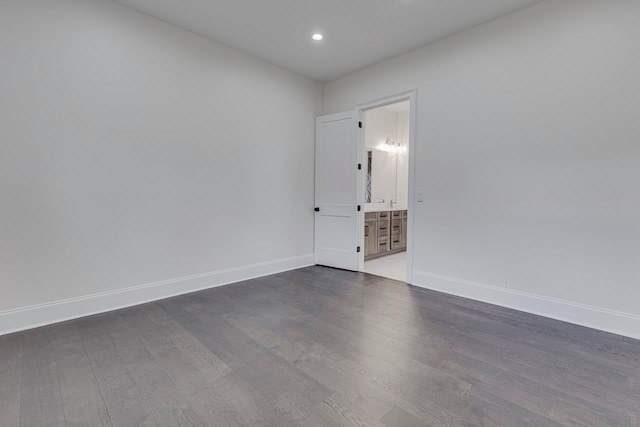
(385, 233)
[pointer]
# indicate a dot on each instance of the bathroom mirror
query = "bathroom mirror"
(382, 168)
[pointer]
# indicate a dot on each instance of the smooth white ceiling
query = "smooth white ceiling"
(357, 33)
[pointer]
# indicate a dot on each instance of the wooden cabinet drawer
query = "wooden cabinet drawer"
(396, 215)
(396, 241)
(383, 216)
(383, 244)
(370, 216)
(396, 226)
(383, 228)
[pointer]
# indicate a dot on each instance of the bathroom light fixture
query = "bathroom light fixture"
(390, 146)
(317, 37)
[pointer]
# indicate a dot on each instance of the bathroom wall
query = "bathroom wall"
(402, 191)
(390, 170)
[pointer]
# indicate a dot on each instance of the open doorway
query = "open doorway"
(385, 145)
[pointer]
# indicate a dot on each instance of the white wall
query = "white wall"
(133, 152)
(403, 159)
(381, 124)
(528, 154)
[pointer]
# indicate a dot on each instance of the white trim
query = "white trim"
(410, 96)
(580, 314)
(73, 308)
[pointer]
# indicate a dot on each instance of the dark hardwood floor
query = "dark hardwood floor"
(318, 347)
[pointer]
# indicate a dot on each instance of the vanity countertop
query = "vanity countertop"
(374, 208)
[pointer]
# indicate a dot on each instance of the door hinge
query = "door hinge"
(360, 125)
(359, 207)
(358, 249)
(359, 166)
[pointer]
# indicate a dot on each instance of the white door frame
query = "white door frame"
(361, 108)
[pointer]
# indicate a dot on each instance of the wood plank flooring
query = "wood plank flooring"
(318, 347)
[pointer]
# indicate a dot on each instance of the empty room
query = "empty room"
(297, 213)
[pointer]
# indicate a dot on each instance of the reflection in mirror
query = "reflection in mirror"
(367, 195)
(383, 176)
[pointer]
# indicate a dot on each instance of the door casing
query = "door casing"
(410, 96)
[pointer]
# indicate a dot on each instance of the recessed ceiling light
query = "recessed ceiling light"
(317, 37)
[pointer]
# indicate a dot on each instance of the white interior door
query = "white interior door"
(336, 225)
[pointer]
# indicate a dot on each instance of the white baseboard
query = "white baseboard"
(592, 317)
(73, 308)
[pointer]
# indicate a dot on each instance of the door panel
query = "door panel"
(336, 225)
